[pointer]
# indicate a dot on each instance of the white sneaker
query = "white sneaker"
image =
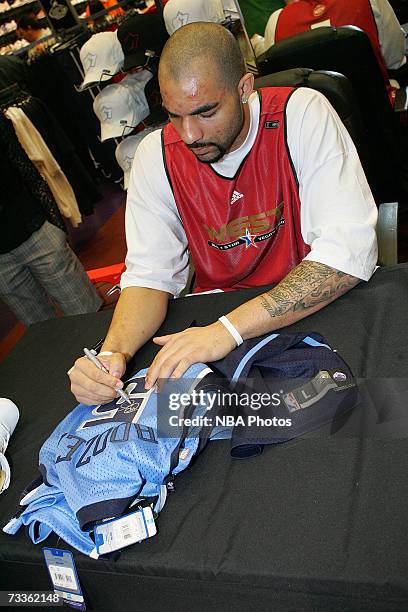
(9, 416)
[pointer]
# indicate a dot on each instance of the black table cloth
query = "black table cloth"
(316, 523)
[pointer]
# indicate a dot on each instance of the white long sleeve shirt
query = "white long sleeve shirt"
(338, 212)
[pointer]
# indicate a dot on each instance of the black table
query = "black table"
(318, 523)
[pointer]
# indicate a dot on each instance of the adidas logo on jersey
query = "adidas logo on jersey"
(236, 196)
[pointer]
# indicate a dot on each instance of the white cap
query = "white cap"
(177, 13)
(121, 107)
(9, 416)
(125, 152)
(102, 57)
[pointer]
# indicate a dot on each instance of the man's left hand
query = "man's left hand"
(193, 345)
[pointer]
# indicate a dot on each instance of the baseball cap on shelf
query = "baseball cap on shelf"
(125, 151)
(121, 107)
(178, 13)
(102, 57)
(140, 33)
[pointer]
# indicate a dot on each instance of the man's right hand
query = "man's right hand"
(127, 334)
(93, 386)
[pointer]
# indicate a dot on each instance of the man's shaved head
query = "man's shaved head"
(205, 89)
(206, 44)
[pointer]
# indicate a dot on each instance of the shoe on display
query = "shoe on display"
(9, 416)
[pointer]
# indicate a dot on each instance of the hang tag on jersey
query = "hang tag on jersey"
(64, 577)
(315, 389)
(124, 531)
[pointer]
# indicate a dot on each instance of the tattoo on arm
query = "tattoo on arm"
(309, 284)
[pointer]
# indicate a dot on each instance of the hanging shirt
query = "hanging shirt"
(309, 14)
(36, 149)
(375, 17)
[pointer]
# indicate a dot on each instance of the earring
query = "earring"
(244, 100)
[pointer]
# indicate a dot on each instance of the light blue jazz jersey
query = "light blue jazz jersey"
(104, 459)
(46, 511)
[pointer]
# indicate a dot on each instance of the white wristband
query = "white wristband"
(232, 330)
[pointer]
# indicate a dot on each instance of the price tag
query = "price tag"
(64, 577)
(124, 531)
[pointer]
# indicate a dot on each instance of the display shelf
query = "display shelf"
(7, 38)
(80, 6)
(10, 37)
(15, 13)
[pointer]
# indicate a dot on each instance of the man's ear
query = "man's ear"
(246, 87)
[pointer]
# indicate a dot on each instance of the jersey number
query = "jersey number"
(119, 410)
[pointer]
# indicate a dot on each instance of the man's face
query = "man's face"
(206, 114)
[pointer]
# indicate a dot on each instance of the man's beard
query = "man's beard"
(217, 156)
(222, 148)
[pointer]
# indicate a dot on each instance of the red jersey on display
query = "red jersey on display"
(307, 14)
(242, 231)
